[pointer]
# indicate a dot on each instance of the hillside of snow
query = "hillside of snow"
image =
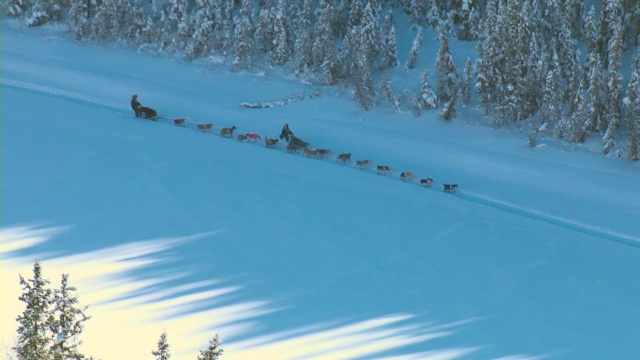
(287, 257)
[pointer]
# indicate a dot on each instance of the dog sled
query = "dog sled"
(450, 188)
(148, 113)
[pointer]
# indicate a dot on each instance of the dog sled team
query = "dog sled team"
(294, 145)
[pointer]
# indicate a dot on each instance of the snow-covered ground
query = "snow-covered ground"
(285, 257)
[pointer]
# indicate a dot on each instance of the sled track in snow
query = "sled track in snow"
(463, 194)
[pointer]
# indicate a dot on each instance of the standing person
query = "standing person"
(135, 104)
(286, 133)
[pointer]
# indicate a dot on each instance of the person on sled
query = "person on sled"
(142, 111)
(286, 134)
(135, 104)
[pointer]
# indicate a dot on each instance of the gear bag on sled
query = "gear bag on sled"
(147, 112)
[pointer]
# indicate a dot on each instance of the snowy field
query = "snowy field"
(167, 228)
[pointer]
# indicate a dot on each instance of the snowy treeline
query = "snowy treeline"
(554, 64)
(52, 323)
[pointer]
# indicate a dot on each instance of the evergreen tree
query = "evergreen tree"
(415, 50)
(17, 8)
(449, 110)
(577, 131)
(470, 23)
(364, 88)
(356, 11)
(281, 43)
(465, 86)
(445, 69)
(595, 93)
(162, 352)
(106, 24)
(389, 47)
(551, 111)
(632, 106)
(223, 14)
(426, 98)
(34, 336)
(614, 89)
(265, 30)
(490, 57)
(323, 49)
(137, 26)
(77, 20)
(591, 31)
(302, 46)
(432, 15)
(508, 110)
(243, 38)
(417, 10)
(369, 37)
(68, 323)
(203, 39)
(213, 352)
(387, 90)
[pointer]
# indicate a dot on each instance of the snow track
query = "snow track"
(464, 194)
(64, 95)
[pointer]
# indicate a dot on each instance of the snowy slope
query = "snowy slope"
(286, 257)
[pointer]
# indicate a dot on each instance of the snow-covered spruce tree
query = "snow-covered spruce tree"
(34, 336)
(632, 109)
(106, 22)
(508, 108)
(136, 25)
(389, 47)
(551, 111)
(445, 69)
(17, 8)
(243, 38)
(363, 79)
(214, 351)
(449, 110)
(611, 14)
(569, 62)
(302, 46)
(614, 89)
(415, 50)
(356, 10)
(349, 53)
(432, 16)
(417, 10)
(490, 60)
(323, 50)
(482, 82)
(265, 30)
(77, 20)
(590, 32)
(576, 129)
(369, 34)
(204, 26)
(173, 24)
(386, 88)
(465, 85)
(470, 26)
(181, 14)
(631, 23)
(426, 98)
(223, 13)
(38, 16)
(68, 323)
(162, 351)
(595, 93)
(281, 43)
(45, 11)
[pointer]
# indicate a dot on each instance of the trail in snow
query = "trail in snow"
(465, 194)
